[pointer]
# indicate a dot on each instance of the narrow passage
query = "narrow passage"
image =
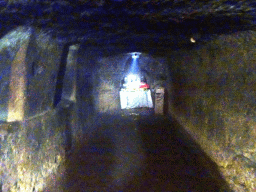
(139, 153)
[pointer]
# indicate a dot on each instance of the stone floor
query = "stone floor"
(138, 153)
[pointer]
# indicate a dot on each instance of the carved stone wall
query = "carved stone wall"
(34, 134)
(213, 98)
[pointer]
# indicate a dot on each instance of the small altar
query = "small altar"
(135, 98)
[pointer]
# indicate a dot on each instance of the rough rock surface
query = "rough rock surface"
(213, 87)
(215, 100)
(81, 20)
(31, 147)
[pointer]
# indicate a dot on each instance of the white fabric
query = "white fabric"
(135, 99)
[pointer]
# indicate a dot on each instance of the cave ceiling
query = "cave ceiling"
(113, 20)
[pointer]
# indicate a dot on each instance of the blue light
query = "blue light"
(134, 67)
(135, 55)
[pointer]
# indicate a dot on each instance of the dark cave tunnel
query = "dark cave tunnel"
(136, 149)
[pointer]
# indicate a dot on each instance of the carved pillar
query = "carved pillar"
(159, 101)
(70, 87)
(70, 93)
(18, 85)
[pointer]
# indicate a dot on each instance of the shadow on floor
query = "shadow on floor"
(146, 154)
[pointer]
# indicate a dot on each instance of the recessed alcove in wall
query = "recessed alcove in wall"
(100, 64)
(60, 76)
(111, 70)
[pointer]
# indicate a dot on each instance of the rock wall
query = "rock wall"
(33, 147)
(31, 152)
(214, 98)
(43, 61)
(29, 65)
